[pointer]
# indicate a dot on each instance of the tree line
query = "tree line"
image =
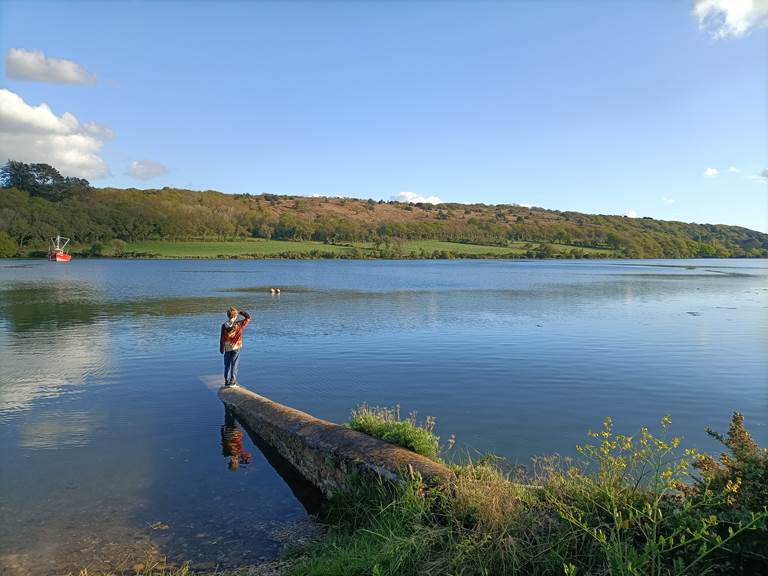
(36, 202)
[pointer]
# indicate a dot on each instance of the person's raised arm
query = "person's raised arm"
(246, 317)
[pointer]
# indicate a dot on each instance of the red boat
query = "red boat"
(58, 251)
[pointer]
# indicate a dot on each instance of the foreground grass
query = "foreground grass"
(274, 568)
(629, 506)
(261, 248)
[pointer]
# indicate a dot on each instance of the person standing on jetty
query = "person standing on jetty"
(231, 343)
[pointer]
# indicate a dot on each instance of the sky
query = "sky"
(644, 108)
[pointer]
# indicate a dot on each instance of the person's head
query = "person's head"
(234, 463)
(232, 313)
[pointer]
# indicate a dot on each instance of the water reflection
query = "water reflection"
(35, 307)
(304, 491)
(43, 363)
(232, 442)
(58, 429)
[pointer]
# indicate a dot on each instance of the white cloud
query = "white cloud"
(413, 198)
(733, 169)
(529, 206)
(35, 66)
(630, 214)
(146, 169)
(667, 200)
(36, 134)
(711, 172)
(722, 18)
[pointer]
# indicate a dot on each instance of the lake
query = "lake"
(111, 432)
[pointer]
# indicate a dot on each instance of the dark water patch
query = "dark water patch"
(267, 289)
(306, 493)
(697, 274)
(24, 312)
(734, 274)
(31, 308)
(221, 271)
(688, 266)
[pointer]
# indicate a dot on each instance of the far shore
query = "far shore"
(258, 248)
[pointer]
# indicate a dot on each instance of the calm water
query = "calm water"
(110, 426)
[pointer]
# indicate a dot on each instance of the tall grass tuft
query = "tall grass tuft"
(386, 424)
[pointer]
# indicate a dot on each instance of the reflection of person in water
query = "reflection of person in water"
(232, 442)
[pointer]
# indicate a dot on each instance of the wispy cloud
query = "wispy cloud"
(711, 172)
(667, 200)
(146, 169)
(35, 66)
(762, 177)
(413, 198)
(733, 169)
(723, 18)
(630, 214)
(99, 130)
(36, 134)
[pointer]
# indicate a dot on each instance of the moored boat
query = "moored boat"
(58, 251)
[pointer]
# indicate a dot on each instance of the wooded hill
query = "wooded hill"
(37, 203)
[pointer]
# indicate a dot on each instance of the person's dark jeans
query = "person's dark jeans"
(231, 362)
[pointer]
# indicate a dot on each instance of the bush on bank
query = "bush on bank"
(629, 505)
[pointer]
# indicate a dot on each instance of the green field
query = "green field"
(260, 248)
(252, 247)
(476, 249)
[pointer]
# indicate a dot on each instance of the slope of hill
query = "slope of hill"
(28, 217)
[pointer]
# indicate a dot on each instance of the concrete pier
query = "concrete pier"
(326, 454)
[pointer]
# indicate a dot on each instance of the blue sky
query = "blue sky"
(600, 107)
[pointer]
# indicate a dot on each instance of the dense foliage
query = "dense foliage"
(36, 202)
(626, 507)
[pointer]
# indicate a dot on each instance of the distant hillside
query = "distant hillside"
(29, 216)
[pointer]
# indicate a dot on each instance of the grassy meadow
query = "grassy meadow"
(263, 248)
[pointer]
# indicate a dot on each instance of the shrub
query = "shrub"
(118, 247)
(742, 476)
(734, 490)
(628, 498)
(8, 246)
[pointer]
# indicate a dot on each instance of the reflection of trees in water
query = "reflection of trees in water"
(29, 307)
